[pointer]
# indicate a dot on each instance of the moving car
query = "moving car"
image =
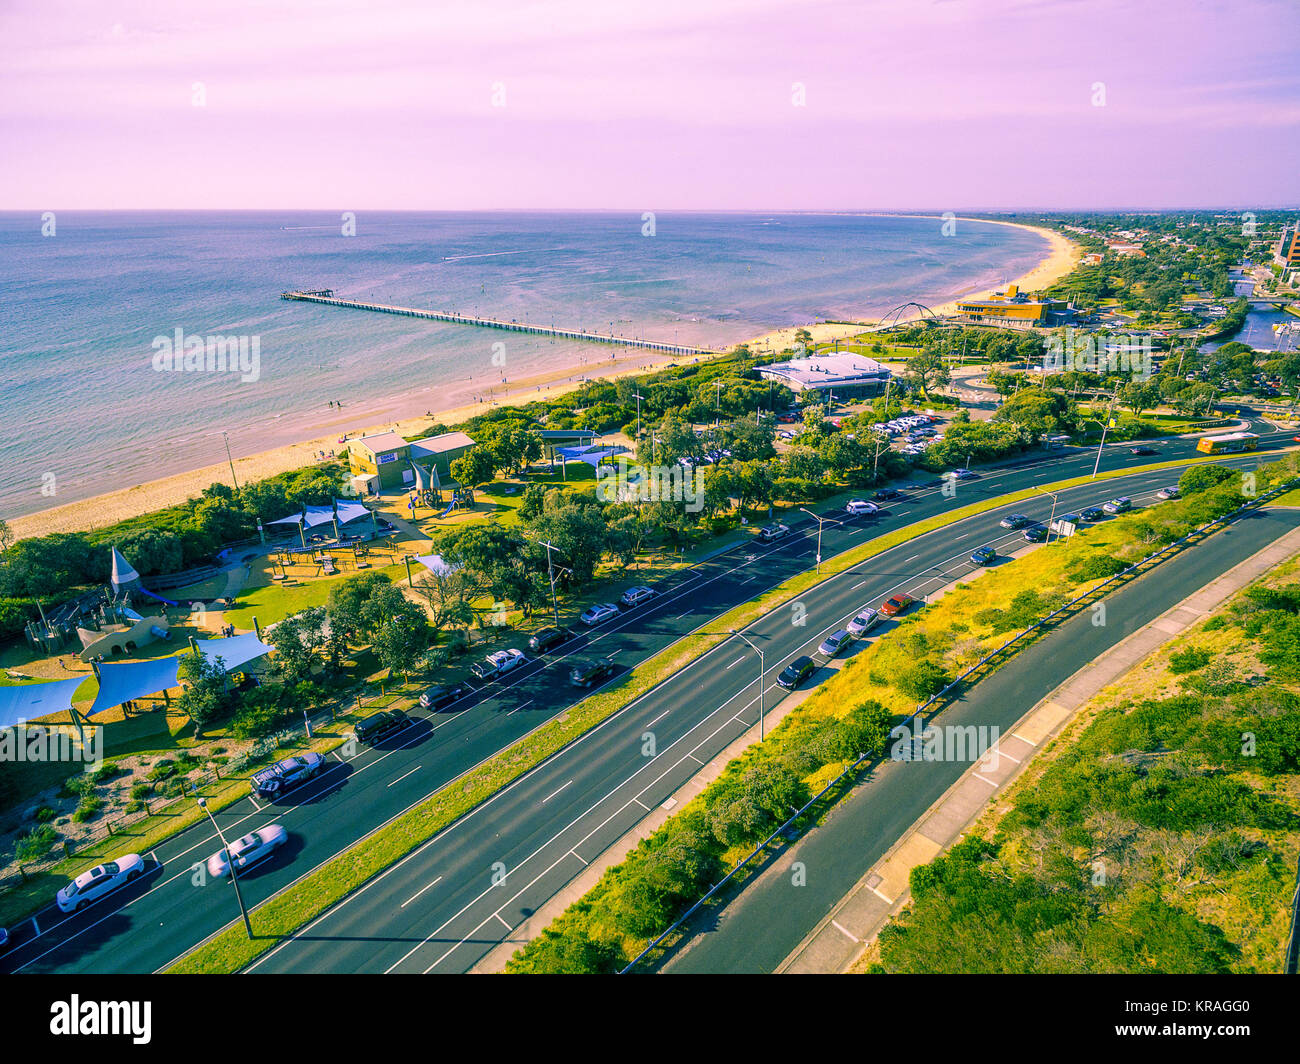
(1167, 493)
(834, 643)
(602, 611)
(964, 474)
(436, 698)
(1036, 534)
(584, 673)
(634, 596)
(498, 663)
(771, 533)
(98, 882)
(1143, 450)
(984, 555)
(545, 638)
(1015, 521)
(896, 604)
(796, 672)
(1091, 513)
(1118, 506)
(377, 725)
(887, 493)
(858, 507)
(287, 774)
(863, 622)
(247, 851)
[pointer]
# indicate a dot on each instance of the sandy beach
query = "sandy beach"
(102, 510)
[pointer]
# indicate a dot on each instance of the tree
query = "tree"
(926, 371)
(400, 630)
(6, 536)
(476, 466)
(205, 694)
(348, 598)
(299, 640)
(1139, 396)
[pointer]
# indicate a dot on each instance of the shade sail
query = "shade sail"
(436, 564)
(32, 700)
(591, 455)
(126, 680)
(236, 651)
(323, 515)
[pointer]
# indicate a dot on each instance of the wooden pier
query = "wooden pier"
(327, 298)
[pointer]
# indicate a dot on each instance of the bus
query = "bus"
(1233, 441)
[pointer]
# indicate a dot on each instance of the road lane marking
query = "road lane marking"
(736, 662)
(554, 793)
(420, 891)
(403, 776)
(840, 927)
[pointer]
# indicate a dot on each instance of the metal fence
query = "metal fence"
(1072, 606)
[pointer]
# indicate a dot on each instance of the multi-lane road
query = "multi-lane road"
(444, 906)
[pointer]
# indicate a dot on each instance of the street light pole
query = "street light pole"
(820, 521)
(230, 861)
(1105, 425)
(550, 572)
(225, 436)
(1053, 515)
(762, 669)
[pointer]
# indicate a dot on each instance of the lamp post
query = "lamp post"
(1105, 425)
(762, 669)
(225, 436)
(820, 521)
(230, 860)
(550, 571)
(1053, 516)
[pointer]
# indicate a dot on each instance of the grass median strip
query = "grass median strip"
(307, 898)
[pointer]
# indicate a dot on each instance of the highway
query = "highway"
(444, 906)
(770, 917)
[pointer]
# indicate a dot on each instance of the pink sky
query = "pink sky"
(649, 104)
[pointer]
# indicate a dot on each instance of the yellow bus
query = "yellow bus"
(1233, 441)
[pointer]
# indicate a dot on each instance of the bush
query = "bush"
(1188, 660)
(921, 680)
(162, 769)
(1095, 566)
(87, 809)
(140, 791)
(36, 843)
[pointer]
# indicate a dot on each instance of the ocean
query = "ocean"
(86, 411)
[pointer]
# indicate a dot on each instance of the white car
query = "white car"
(858, 507)
(498, 663)
(247, 851)
(99, 881)
(603, 611)
(863, 622)
(634, 596)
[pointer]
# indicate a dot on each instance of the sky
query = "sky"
(649, 104)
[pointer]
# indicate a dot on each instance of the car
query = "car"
(602, 611)
(1091, 513)
(544, 638)
(497, 664)
(771, 533)
(634, 596)
(984, 555)
(443, 695)
(863, 622)
(858, 507)
(377, 725)
(246, 852)
(98, 882)
(584, 672)
(1167, 493)
(4, 939)
(1060, 524)
(1035, 534)
(884, 494)
(1147, 451)
(896, 604)
(796, 672)
(287, 774)
(1014, 521)
(1118, 506)
(834, 643)
(964, 474)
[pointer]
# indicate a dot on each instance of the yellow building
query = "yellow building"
(1288, 248)
(1013, 308)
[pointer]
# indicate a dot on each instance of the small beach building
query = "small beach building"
(438, 452)
(382, 455)
(844, 375)
(1012, 309)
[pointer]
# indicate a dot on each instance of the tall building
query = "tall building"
(1288, 248)
(1013, 308)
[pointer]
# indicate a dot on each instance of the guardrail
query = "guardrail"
(1292, 962)
(950, 688)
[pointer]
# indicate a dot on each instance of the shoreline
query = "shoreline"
(99, 511)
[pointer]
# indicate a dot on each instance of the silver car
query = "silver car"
(834, 643)
(863, 622)
(99, 881)
(247, 851)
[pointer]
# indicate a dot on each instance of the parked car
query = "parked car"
(771, 533)
(377, 725)
(1035, 534)
(98, 882)
(984, 555)
(1118, 506)
(1091, 513)
(1145, 451)
(544, 638)
(246, 852)
(835, 642)
(1014, 521)
(594, 615)
(584, 673)
(498, 663)
(859, 507)
(287, 774)
(634, 596)
(896, 604)
(1167, 493)
(443, 695)
(863, 622)
(1065, 522)
(796, 672)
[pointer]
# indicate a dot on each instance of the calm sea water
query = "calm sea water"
(83, 404)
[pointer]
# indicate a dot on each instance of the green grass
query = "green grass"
(274, 603)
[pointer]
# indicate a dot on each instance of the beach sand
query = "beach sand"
(107, 509)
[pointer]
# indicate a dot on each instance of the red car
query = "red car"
(894, 606)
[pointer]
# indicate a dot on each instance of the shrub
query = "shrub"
(44, 814)
(163, 769)
(87, 809)
(921, 680)
(140, 791)
(1188, 660)
(36, 843)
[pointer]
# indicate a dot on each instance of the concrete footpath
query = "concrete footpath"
(846, 932)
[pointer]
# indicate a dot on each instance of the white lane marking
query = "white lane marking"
(911, 559)
(736, 662)
(578, 856)
(502, 919)
(858, 585)
(420, 891)
(403, 776)
(554, 793)
(518, 708)
(255, 805)
(660, 717)
(881, 896)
